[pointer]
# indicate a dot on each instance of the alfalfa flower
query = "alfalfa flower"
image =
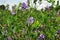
(8, 38)
(44, 5)
(12, 12)
(41, 37)
(24, 6)
(30, 20)
(58, 33)
(4, 32)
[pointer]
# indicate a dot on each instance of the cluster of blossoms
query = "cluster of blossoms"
(23, 6)
(44, 5)
(30, 20)
(8, 38)
(12, 12)
(58, 32)
(41, 37)
(39, 5)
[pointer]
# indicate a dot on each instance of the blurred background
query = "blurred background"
(10, 1)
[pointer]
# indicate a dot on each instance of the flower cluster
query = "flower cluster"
(8, 38)
(12, 12)
(41, 37)
(30, 20)
(24, 6)
(58, 31)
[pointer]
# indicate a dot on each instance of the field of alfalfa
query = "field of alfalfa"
(30, 24)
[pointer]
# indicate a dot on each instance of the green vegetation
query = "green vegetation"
(45, 22)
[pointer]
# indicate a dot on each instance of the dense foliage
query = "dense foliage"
(15, 26)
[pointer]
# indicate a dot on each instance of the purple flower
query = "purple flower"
(30, 20)
(24, 6)
(58, 31)
(9, 38)
(4, 32)
(41, 37)
(12, 12)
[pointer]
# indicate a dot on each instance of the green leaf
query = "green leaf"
(36, 23)
(57, 18)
